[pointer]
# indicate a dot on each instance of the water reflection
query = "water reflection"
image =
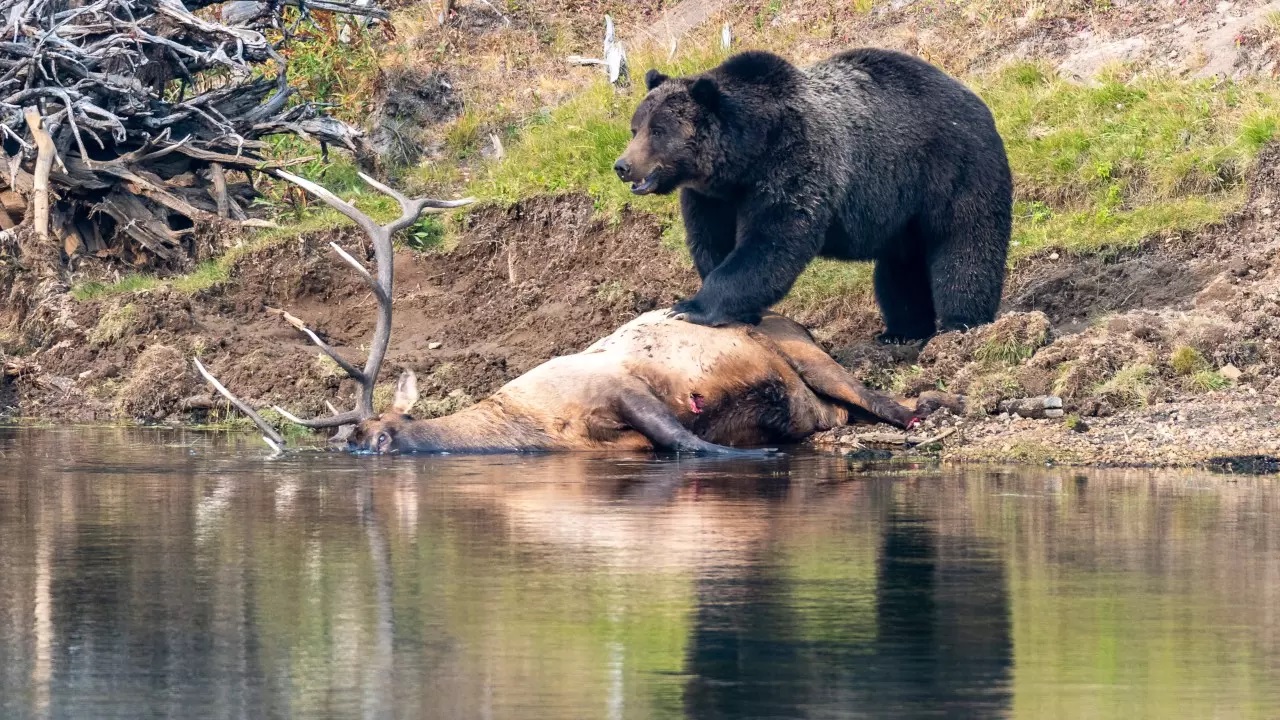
(148, 574)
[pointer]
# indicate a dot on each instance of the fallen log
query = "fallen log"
(126, 124)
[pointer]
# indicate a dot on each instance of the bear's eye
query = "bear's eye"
(656, 131)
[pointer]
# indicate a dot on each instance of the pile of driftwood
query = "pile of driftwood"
(128, 123)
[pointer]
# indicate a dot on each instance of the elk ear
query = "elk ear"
(406, 393)
(653, 79)
(706, 93)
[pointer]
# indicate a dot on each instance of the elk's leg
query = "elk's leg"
(653, 419)
(827, 377)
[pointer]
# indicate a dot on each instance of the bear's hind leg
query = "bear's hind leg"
(905, 298)
(966, 272)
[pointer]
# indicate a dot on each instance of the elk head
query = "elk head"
(380, 283)
(382, 434)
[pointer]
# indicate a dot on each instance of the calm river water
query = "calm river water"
(180, 575)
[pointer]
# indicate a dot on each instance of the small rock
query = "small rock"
(1230, 372)
(1053, 256)
(434, 345)
(1041, 407)
(197, 402)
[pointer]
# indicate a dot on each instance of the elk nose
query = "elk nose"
(623, 168)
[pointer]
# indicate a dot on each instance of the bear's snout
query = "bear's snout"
(623, 168)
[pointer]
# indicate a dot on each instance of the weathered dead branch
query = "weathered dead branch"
(128, 123)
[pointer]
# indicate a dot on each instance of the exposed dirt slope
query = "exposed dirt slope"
(541, 279)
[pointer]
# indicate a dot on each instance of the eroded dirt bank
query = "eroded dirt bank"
(540, 279)
(1166, 355)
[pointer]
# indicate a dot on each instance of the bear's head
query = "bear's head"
(671, 135)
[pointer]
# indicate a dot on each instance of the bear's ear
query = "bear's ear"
(705, 92)
(653, 79)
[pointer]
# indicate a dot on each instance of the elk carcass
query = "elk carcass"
(655, 383)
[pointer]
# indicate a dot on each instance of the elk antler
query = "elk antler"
(379, 282)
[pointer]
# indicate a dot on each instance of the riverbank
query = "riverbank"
(1162, 355)
(1144, 290)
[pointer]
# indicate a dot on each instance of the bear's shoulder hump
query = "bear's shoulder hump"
(755, 66)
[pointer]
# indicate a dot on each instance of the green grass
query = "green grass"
(234, 421)
(463, 136)
(1075, 422)
(1006, 350)
(1131, 386)
(1101, 167)
(1272, 21)
(325, 69)
(1030, 452)
(1186, 360)
(128, 283)
(1207, 380)
(1097, 168)
(114, 325)
(206, 275)
(573, 147)
(830, 278)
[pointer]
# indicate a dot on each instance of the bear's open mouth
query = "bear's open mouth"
(643, 187)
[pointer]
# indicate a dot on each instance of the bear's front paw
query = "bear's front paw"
(694, 312)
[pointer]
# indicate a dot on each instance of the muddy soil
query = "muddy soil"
(540, 279)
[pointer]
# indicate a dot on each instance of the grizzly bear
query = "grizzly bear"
(868, 155)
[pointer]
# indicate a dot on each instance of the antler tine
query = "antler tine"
(412, 208)
(365, 222)
(270, 434)
(359, 267)
(434, 206)
(346, 418)
(348, 368)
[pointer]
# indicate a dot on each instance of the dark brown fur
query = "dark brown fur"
(867, 155)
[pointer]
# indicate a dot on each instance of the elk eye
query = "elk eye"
(384, 441)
